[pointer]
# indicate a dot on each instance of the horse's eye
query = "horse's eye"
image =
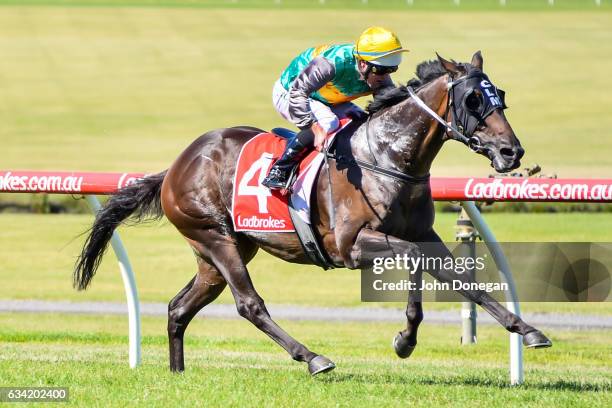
(473, 101)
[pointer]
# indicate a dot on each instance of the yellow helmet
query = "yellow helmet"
(379, 46)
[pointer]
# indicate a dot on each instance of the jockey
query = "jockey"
(318, 85)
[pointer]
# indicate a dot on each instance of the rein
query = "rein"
(472, 142)
(456, 134)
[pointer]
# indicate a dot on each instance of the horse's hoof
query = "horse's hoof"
(401, 346)
(536, 339)
(320, 364)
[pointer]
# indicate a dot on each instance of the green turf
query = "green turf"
(128, 88)
(37, 253)
(230, 363)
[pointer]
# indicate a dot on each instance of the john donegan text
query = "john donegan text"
(456, 284)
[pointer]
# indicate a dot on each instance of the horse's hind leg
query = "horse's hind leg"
(222, 251)
(205, 287)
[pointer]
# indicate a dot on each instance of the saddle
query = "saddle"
(256, 208)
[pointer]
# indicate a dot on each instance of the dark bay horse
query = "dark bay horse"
(376, 213)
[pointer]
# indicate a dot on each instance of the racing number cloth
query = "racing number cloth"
(255, 207)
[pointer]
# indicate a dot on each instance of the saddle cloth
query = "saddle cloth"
(257, 208)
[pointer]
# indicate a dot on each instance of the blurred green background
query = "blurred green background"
(126, 86)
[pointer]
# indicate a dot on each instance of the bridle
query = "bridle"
(465, 117)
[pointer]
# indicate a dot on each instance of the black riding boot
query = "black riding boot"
(297, 148)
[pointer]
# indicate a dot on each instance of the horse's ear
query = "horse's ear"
(450, 66)
(477, 60)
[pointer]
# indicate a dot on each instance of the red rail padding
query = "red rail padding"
(443, 188)
(64, 182)
(522, 189)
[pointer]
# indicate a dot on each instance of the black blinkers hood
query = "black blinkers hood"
(473, 98)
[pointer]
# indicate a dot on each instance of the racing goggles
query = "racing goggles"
(381, 69)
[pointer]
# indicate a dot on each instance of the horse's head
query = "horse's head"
(476, 109)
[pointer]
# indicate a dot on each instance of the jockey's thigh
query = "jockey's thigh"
(324, 115)
(343, 110)
(328, 116)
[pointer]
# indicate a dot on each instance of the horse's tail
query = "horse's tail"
(140, 200)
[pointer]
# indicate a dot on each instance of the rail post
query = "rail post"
(131, 291)
(467, 234)
(512, 302)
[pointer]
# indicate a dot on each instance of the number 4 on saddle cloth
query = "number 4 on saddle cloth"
(255, 207)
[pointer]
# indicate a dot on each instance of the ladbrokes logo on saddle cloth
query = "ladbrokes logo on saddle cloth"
(255, 207)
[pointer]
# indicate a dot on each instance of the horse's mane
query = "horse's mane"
(426, 72)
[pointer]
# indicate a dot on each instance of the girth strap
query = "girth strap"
(310, 243)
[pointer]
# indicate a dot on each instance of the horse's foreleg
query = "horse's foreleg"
(370, 245)
(223, 253)
(205, 287)
(406, 340)
(512, 323)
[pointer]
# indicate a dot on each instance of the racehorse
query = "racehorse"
(380, 193)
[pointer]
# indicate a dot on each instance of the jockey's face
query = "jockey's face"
(374, 81)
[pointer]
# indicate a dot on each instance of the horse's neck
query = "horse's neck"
(404, 137)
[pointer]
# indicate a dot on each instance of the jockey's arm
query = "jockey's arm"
(316, 74)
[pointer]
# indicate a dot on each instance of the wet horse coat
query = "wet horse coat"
(375, 215)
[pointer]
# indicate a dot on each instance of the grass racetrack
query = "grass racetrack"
(39, 267)
(115, 85)
(230, 363)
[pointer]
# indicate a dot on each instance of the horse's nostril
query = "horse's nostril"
(507, 152)
(520, 152)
